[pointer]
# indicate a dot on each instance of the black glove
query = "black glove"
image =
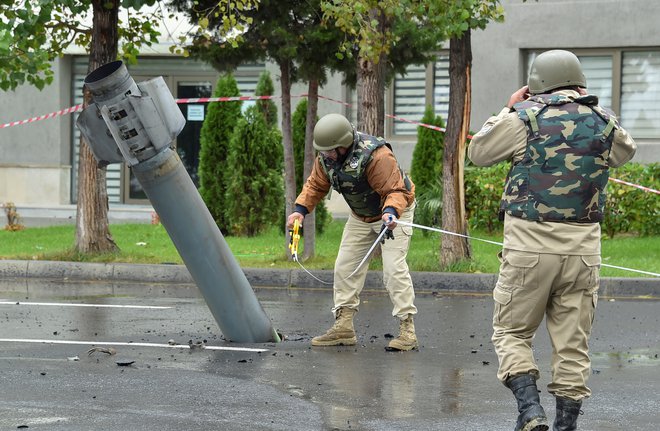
(388, 235)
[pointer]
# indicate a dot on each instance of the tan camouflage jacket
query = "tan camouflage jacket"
(383, 175)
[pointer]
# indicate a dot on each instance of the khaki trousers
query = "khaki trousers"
(564, 289)
(356, 240)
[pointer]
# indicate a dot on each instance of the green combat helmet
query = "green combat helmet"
(555, 69)
(332, 131)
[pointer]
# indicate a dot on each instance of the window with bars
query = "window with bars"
(640, 93)
(409, 94)
(598, 71)
(414, 91)
(441, 86)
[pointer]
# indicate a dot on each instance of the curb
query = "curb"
(51, 272)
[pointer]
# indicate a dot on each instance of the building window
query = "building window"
(441, 86)
(420, 87)
(640, 93)
(409, 94)
(598, 71)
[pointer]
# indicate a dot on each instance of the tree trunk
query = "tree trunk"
(92, 226)
(371, 88)
(371, 106)
(287, 141)
(455, 248)
(309, 224)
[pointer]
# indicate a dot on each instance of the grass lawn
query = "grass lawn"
(145, 243)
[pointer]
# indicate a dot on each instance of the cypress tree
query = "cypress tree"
(298, 124)
(267, 107)
(426, 169)
(255, 188)
(221, 118)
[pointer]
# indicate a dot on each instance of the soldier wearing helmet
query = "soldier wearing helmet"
(561, 144)
(364, 170)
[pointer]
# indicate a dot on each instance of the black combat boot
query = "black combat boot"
(532, 416)
(567, 414)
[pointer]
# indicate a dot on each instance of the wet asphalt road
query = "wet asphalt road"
(449, 384)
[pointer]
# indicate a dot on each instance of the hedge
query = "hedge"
(628, 209)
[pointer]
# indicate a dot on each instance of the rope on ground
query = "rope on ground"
(364, 259)
(433, 229)
(500, 244)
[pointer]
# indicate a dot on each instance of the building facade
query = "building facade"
(617, 41)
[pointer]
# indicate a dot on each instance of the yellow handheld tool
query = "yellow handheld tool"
(295, 238)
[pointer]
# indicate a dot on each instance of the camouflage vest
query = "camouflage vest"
(563, 174)
(350, 180)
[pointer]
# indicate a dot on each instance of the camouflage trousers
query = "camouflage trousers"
(356, 240)
(564, 289)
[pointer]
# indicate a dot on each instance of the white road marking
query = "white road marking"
(62, 304)
(120, 343)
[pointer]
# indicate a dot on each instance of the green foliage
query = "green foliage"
(146, 243)
(255, 189)
(219, 123)
(137, 4)
(33, 33)
(394, 30)
(267, 107)
(227, 20)
(434, 21)
(299, 125)
(483, 190)
(627, 210)
(426, 169)
(458, 16)
(273, 31)
(429, 205)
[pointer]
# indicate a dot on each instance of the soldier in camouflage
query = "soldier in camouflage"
(561, 144)
(364, 170)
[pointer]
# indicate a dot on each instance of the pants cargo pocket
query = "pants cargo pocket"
(407, 230)
(592, 263)
(517, 271)
(502, 312)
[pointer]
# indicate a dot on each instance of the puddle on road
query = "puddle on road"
(56, 288)
(633, 358)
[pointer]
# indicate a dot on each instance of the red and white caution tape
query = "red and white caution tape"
(43, 117)
(646, 189)
(180, 101)
(225, 99)
(77, 108)
(417, 123)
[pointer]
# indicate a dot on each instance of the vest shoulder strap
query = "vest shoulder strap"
(607, 116)
(527, 112)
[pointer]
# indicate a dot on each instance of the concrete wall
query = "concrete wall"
(35, 158)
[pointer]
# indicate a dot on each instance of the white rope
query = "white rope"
(405, 223)
(364, 259)
(500, 244)
(633, 270)
(419, 226)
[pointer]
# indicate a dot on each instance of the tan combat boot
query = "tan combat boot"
(407, 340)
(341, 333)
